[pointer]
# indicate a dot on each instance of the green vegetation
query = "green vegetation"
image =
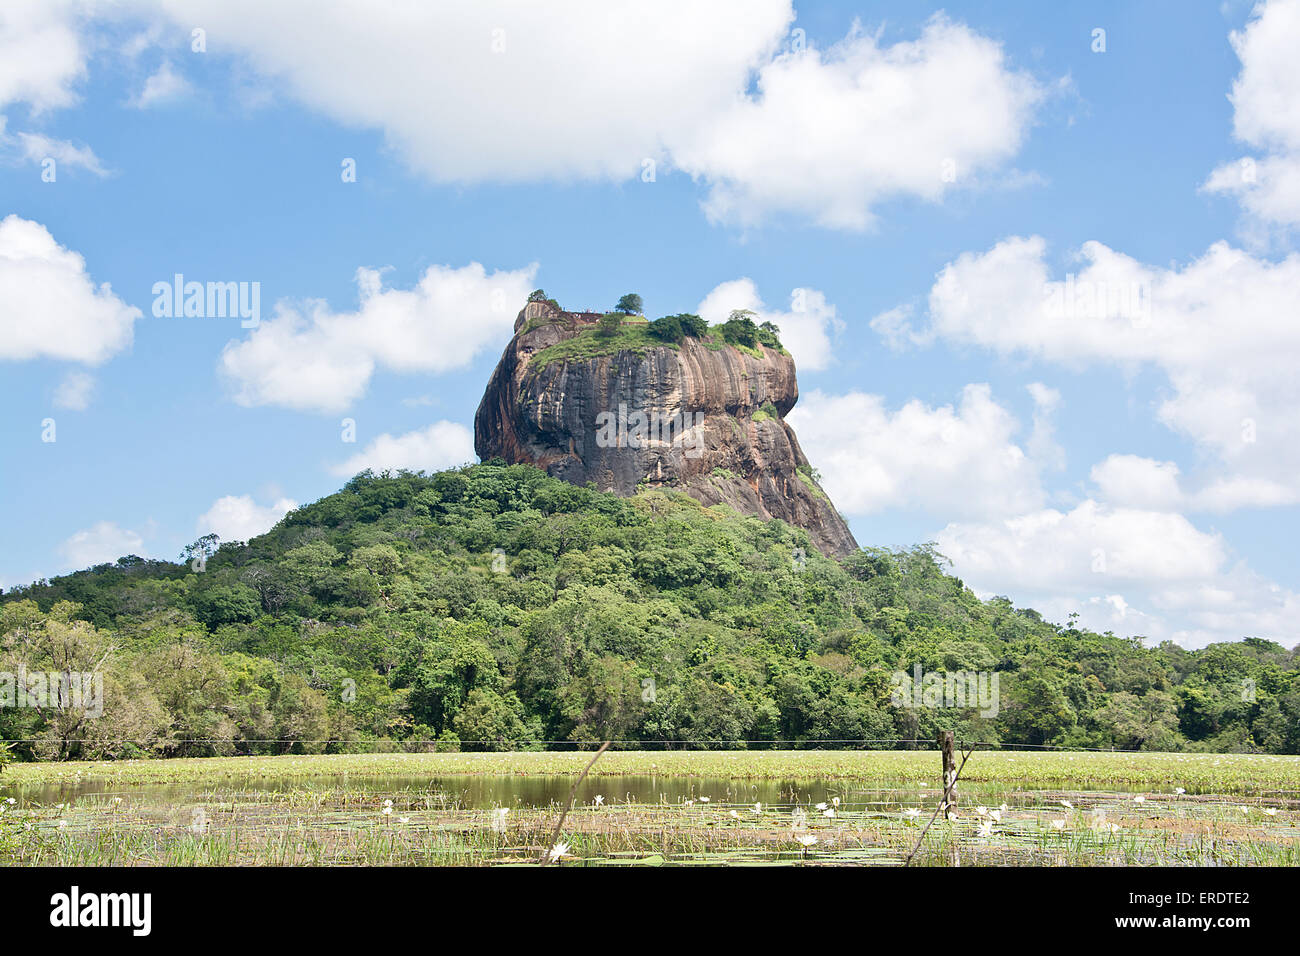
(373, 619)
(654, 809)
(765, 412)
(1246, 774)
(630, 304)
(628, 336)
(539, 295)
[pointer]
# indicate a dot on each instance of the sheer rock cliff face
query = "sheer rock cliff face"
(714, 422)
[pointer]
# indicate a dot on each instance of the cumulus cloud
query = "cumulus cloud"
(308, 357)
(103, 542)
(805, 329)
(1220, 328)
(526, 92)
(441, 445)
(944, 460)
(828, 135)
(49, 307)
(1131, 570)
(499, 90)
(1266, 116)
(42, 56)
(240, 518)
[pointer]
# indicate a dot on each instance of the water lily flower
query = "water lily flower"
(996, 815)
(1179, 790)
(704, 799)
(912, 813)
(599, 799)
(807, 839)
(388, 811)
(758, 808)
(62, 824)
(1067, 804)
(388, 803)
(829, 812)
(1004, 808)
(986, 828)
(1271, 811)
(403, 819)
(1139, 799)
(1059, 824)
(821, 806)
(559, 850)
(835, 801)
(982, 811)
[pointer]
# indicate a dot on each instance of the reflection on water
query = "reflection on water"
(534, 791)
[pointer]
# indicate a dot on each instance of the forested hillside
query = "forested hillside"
(493, 607)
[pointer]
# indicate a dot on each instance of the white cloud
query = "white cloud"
(164, 85)
(310, 358)
(830, 135)
(1131, 570)
(1145, 483)
(441, 445)
(240, 518)
(805, 329)
(499, 90)
(36, 148)
(74, 391)
(101, 543)
(49, 307)
(1221, 328)
(41, 55)
(527, 92)
(945, 460)
(1266, 115)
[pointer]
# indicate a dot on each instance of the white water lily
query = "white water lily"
(62, 824)
(821, 806)
(799, 818)
(387, 811)
(807, 839)
(1114, 828)
(733, 814)
(982, 811)
(599, 799)
(986, 828)
(995, 816)
(835, 801)
(911, 813)
(1179, 790)
(559, 850)
(1059, 824)
(1004, 808)
(758, 808)
(829, 812)
(1139, 799)
(1244, 809)
(403, 819)
(1067, 804)
(704, 799)
(1271, 811)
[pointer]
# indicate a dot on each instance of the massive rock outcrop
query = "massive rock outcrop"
(703, 418)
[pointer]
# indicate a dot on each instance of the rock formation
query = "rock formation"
(701, 417)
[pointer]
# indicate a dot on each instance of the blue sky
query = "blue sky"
(1088, 466)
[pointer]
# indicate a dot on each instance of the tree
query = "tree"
(609, 324)
(630, 304)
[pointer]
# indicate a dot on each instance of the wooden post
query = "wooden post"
(949, 773)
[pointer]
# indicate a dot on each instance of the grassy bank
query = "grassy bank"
(1164, 772)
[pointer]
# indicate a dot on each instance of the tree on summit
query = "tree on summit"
(630, 304)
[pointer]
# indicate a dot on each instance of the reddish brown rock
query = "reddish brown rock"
(564, 417)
